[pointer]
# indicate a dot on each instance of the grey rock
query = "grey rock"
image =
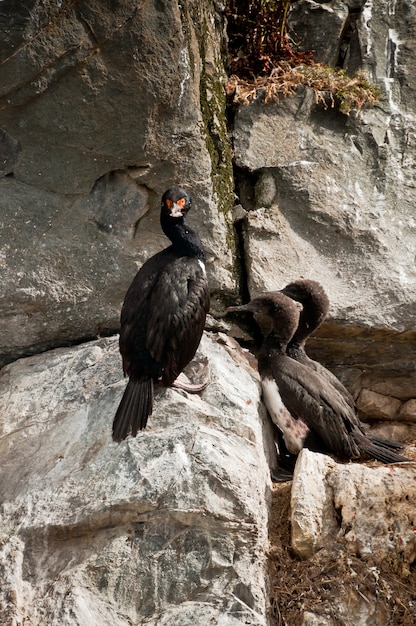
(330, 507)
(343, 209)
(10, 152)
(166, 528)
(330, 197)
(330, 219)
(318, 26)
(101, 112)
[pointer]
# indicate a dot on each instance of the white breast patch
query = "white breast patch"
(294, 431)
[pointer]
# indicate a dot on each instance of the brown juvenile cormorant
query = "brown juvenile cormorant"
(315, 307)
(163, 315)
(301, 402)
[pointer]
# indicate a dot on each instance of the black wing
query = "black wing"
(311, 398)
(330, 376)
(136, 315)
(178, 306)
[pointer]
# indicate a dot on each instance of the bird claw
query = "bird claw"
(195, 376)
(183, 382)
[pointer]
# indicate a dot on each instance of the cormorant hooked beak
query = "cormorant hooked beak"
(242, 308)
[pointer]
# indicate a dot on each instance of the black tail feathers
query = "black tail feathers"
(378, 448)
(134, 409)
(391, 444)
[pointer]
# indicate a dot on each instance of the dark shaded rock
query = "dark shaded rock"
(10, 152)
(318, 26)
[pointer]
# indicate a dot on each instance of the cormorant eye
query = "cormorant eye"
(181, 201)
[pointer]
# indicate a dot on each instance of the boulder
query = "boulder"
(366, 511)
(169, 527)
(378, 406)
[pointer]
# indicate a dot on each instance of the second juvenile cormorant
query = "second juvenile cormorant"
(315, 307)
(163, 315)
(302, 403)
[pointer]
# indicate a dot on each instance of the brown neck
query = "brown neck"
(310, 319)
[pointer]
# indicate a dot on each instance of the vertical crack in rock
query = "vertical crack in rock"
(239, 228)
(244, 182)
(349, 54)
(10, 153)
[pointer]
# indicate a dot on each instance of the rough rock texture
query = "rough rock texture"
(369, 510)
(103, 105)
(377, 362)
(353, 511)
(377, 405)
(305, 26)
(331, 196)
(329, 219)
(155, 530)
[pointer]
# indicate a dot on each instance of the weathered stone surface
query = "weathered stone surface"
(327, 221)
(330, 197)
(167, 528)
(376, 405)
(319, 26)
(375, 358)
(367, 511)
(379, 360)
(10, 152)
(103, 105)
(342, 210)
(311, 526)
(408, 411)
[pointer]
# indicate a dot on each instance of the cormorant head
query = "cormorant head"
(312, 296)
(305, 291)
(176, 202)
(273, 312)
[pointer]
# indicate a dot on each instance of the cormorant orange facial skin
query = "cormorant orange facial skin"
(301, 402)
(315, 307)
(163, 315)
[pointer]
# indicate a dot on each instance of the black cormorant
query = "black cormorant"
(163, 315)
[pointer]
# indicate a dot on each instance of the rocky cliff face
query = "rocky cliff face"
(103, 105)
(330, 196)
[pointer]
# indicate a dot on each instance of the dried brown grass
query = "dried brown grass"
(332, 87)
(319, 584)
(263, 64)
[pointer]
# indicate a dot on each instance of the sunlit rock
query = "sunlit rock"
(171, 523)
(366, 511)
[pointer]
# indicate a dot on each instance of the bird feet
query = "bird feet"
(183, 382)
(195, 376)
